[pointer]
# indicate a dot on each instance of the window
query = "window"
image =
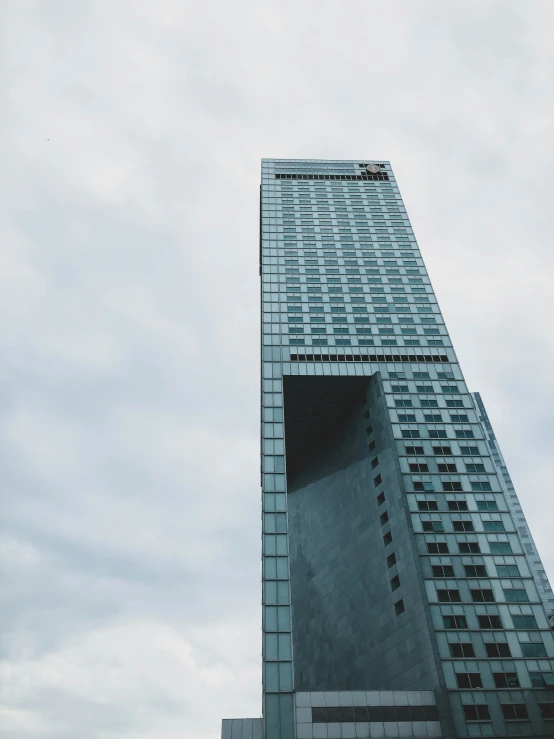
(480, 486)
(443, 571)
(469, 547)
(482, 595)
(447, 468)
(475, 467)
(384, 518)
(427, 505)
(487, 505)
(437, 434)
(533, 649)
(374, 462)
(540, 679)
(498, 649)
(377, 480)
(516, 595)
(387, 538)
(476, 713)
(515, 711)
(442, 450)
(414, 450)
(432, 526)
(464, 434)
(489, 622)
(469, 450)
(462, 525)
(469, 680)
(506, 679)
(380, 498)
(547, 710)
(461, 649)
(424, 389)
(454, 622)
(524, 622)
(490, 526)
(429, 403)
(500, 547)
(457, 505)
(410, 434)
(449, 595)
(459, 417)
(399, 607)
(395, 583)
(475, 570)
(419, 467)
(422, 485)
(391, 560)
(437, 547)
(507, 570)
(450, 486)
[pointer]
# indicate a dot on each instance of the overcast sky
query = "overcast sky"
(132, 133)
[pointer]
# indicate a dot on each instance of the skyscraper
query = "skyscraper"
(402, 593)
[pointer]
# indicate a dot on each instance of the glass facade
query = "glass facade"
(393, 559)
(529, 547)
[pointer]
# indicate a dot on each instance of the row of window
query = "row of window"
(449, 486)
(293, 274)
(488, 622)
(331, 211)
(437, 433)
(455, 505)
(462, 526)
(335, 293)
(313, 201)
(348, 342)
(336, 309)
(340, 307)
(383, 324)
(510, 711)
(419, 416)
(501, 650)
(482, 595)
(320, 203)
(294, 266)
(365, 247)
(340, 224)
(472, 571)
(472, 680)
(442, 451)
(334, 284)
(469, 547)
(362, 329)
(475, 712)
(293, 260)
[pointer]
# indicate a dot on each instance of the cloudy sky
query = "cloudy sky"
(132, 133)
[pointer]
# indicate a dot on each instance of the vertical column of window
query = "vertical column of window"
(276, 604)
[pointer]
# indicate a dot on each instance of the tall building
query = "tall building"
(402, 593)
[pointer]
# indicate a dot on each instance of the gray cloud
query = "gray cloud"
(129, 310)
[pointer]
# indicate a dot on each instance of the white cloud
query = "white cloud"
(140, 674)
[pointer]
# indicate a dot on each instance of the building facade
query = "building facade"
(529, 547)
(399, 598)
